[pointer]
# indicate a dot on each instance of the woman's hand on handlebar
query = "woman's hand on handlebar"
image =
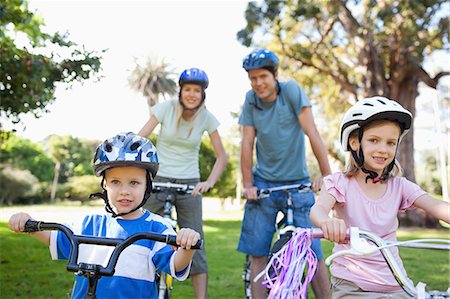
(334, 229)
(202, 187)
(17, 222)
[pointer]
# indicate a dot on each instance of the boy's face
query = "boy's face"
(126, 188)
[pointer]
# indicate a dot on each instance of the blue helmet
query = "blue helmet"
(261, 59)
(194, 76)
(126, 149)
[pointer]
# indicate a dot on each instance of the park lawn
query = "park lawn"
(26, 270)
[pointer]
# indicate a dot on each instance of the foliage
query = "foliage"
(16, 184)
(79, 188)
(226, 185)
(33, 62)
(74, 155)
(344, 50)
(152, 80)
(25, 154)
(428, 175)
(26, 270)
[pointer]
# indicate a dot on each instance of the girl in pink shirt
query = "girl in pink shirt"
(369, 195)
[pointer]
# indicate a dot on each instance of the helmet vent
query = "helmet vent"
(135, 145)
(382, 102)
(368, 104)
(356, 114)
(108, 147)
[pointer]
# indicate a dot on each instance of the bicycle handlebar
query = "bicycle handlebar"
(360, 247)
(120, 245)
(262, 193)
(178, 188)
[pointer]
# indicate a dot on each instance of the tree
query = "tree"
(24, 154)
(365, 48)
(30, 72)
(67, 153)
(152, 80)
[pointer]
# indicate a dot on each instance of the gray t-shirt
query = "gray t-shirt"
(280, 140)
(178, 151)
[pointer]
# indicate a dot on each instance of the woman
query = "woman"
(183, 123)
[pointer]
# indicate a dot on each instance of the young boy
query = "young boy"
(128, 163)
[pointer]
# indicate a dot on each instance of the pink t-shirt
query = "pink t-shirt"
(375, 215)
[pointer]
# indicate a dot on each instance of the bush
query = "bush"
(79, 188)
(18, 186)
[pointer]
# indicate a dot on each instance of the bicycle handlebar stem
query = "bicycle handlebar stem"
(354, 234)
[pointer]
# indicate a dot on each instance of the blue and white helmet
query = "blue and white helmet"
(260, 59)
(194, 76)
(126, 149)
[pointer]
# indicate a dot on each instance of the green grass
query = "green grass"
(26, 270)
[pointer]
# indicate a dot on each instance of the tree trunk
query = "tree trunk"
(406, 95)
(55, 181)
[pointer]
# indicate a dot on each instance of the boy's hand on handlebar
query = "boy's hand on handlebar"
(251, 193)
(17, 222)
(202, 187)
(334, 229)
(187, 237)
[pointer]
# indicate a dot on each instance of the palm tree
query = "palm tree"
(152, 80)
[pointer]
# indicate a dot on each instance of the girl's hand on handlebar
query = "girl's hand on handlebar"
(251, 193)
(334, 229)
(187, 237)
(17, 222)
(202, 187)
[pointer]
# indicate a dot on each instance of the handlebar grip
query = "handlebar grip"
(32, 226)
(172, 240)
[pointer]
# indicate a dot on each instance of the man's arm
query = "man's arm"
(247, 144)
(306, 120)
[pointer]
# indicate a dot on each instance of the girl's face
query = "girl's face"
(126, 188)
(379, 143)
(191, 96)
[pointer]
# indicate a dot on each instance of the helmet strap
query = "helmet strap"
(359, 159)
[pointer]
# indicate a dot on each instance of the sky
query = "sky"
(185, 34)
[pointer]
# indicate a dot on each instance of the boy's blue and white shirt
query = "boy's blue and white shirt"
(136, 267)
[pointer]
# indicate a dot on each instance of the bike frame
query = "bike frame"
(283, 226)
(94, 272)
(165, 285)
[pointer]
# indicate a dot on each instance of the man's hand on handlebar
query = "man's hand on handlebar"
(251, 193)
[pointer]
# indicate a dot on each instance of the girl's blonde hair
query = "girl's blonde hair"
(351, 167)
(179, 114)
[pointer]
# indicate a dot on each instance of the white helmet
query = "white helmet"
(369, 109)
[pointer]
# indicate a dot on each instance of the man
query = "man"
(278, 115)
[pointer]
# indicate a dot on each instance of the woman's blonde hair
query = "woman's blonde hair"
(351, 167)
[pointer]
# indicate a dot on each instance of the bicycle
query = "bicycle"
(165, 286)
(284, 226)
(360, 247)
(93, 272)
